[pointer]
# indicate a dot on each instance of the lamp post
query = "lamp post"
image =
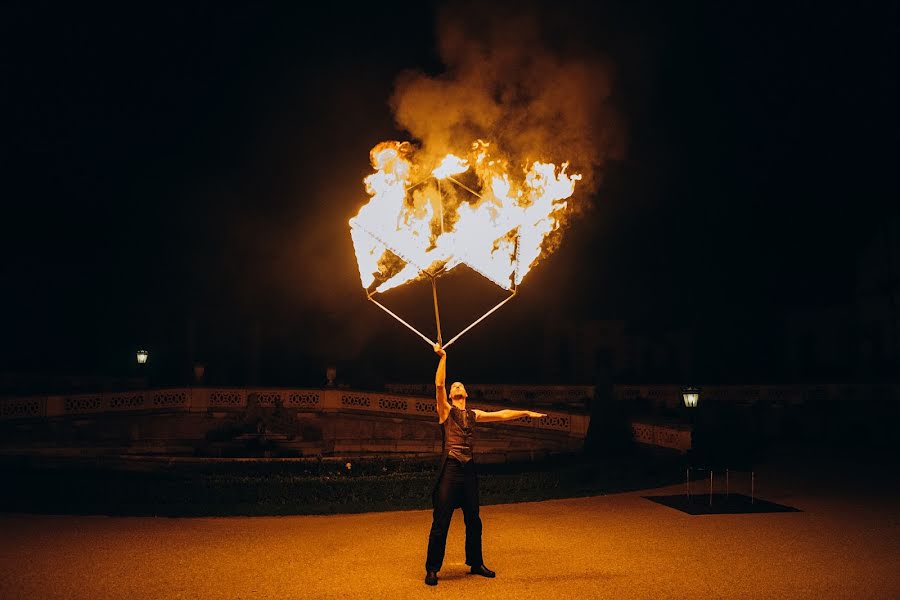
(691, 396)
(199, 373)
(143, 369)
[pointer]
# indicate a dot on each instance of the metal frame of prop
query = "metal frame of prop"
(434, 276)
(437, 316)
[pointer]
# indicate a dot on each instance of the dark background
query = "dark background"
(180, 178)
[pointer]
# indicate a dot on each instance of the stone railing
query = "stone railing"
(236, 399)
(676, 437)
(670, 395)
(518, 394)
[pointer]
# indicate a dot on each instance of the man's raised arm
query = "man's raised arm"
(440, 388)
(485, 416)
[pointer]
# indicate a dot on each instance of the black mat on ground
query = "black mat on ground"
(733, 504)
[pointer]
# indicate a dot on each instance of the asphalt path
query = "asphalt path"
(844, 544)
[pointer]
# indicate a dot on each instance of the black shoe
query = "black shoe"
(483, 571)
(431, 578)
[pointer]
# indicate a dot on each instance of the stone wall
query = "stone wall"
(285, 422)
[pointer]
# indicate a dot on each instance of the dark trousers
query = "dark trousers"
(457, 486)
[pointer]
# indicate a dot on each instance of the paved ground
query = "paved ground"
(845, 544)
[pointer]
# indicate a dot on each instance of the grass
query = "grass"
(311, 487)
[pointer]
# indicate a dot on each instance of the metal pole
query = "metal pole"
(440, 208)
(411, 328)
(480, 319)
(710, 486)
(687, 483)
(465, 187)
(752, 486)
(726, 484)
(418, 183)
(437, 314)
(402, 256)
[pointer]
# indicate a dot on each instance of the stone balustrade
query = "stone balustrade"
(417, 399)
(669, 395)
(236, 399)
(524, 395)
(675, 437)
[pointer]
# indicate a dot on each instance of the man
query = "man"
(457, 483)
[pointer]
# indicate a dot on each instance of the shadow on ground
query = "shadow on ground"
(720, 504)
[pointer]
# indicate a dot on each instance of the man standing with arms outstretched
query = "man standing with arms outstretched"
(457, 483)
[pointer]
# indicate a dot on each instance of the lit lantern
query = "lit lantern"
(691, 396)
(142, 356)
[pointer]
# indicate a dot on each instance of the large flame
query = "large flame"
(493, 222)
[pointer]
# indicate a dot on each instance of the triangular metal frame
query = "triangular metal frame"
(433, 276)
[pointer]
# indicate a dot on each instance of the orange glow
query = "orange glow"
(495, 220)
(451, 165)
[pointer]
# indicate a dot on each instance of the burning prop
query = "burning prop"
(425, 218)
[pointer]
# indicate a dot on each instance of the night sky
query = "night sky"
(180, 178)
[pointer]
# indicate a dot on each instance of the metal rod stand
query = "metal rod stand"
(726, 483)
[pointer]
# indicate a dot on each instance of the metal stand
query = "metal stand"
(752, 485)
(687, 483)
(437, 316)
(433, 276)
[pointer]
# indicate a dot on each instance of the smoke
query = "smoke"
(520, 79)
(524, 80)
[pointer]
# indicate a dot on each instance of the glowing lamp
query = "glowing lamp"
(691, 396)
(142, 356)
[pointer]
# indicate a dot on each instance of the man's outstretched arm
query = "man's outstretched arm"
(486, 416)
(440, 388)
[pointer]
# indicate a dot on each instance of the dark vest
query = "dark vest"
(459, 428)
